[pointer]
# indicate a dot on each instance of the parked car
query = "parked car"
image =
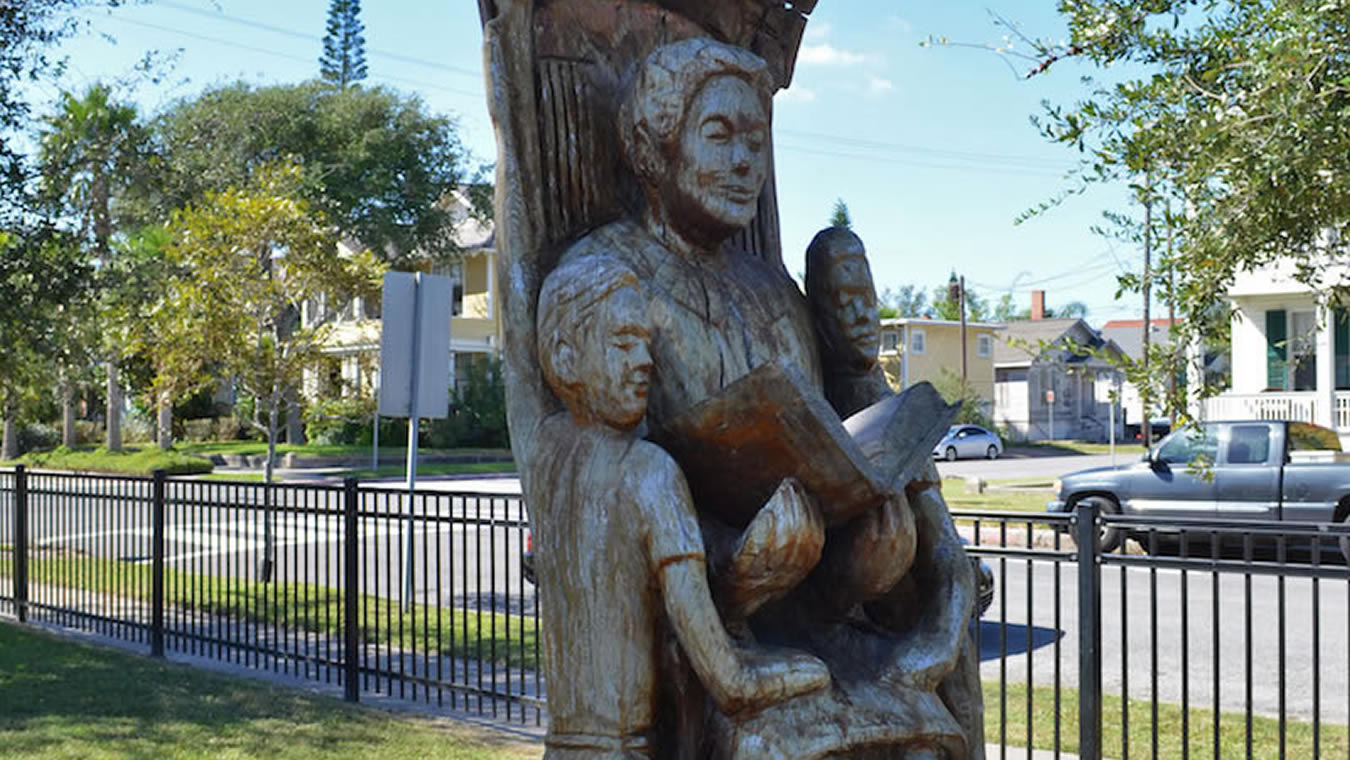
(984, 576)
(1241, 470)
(968, 441)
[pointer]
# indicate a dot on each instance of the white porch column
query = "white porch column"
(1326, 368)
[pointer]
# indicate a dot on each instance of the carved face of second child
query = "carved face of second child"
(616, 367)
(722, 160)
(853, 307)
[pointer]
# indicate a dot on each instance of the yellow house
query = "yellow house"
(914, 350)
(475, 324)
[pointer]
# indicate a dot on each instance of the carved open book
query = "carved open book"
(736, 447)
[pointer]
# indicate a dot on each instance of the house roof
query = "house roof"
(1020, 343)
(920, 322)
(1129, 334)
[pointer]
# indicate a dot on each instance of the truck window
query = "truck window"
(1248, 444)
(1306, 437)
(1186, 445)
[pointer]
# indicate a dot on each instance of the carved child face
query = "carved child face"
(616, 367)
(851, 311)
(723, 159)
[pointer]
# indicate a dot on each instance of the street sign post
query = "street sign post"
(414, 368)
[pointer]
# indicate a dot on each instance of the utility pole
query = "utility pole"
(1146, 430)
(1171, 326)
(956, 291)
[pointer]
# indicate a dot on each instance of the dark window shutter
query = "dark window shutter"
(1275, 348)
(1341, 346)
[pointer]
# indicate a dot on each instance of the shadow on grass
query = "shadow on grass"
(62, 699)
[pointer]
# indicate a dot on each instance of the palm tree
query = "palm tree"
(91, 153)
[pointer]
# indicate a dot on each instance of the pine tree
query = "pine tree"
(840, 217)
(343, 62)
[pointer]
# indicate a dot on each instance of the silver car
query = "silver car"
(968, 441)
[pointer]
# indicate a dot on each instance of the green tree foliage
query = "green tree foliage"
(28, 29)
(41, 271)
(942, 306)
(343, 62)
(839, 217)
(244, 264)
(376, 163)
(904, 301)
(1006, 310)
(972, 409)
(1234, 110)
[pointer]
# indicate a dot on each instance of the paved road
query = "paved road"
(1187, 610)
(1033, 467)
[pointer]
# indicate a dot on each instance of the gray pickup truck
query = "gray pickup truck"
(1252, 470)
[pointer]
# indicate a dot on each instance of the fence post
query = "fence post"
(21, 543)
(157, 565)
(351, 656)
(1089, 631)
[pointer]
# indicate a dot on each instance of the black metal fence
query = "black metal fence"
(420, 598)
(1205, 638)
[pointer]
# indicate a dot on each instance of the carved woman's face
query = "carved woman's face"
(723, 159)
(852, 309)
(617, 366)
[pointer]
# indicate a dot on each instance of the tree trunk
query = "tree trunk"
(68, 437)
(295, 428)
(9, 447)
(268, 562)
(164, 423)
(114, 409)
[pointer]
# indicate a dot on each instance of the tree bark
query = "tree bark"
(68, 437)
(114, 409)
(9, 447)
(164, 423)
(295, 428)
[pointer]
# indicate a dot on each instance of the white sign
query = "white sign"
(415, 345)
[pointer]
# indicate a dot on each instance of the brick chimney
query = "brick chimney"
(1037, 305)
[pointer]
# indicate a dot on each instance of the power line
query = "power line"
(221, 16)
(914, 163)
(288, 56)
(1030, 161)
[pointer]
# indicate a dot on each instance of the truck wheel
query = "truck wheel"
(1108, 538)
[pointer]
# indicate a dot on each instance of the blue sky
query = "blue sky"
(931, 147)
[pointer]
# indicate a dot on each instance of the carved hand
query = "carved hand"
(768, 678)
(777, 550)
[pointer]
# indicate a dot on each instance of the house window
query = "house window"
(890, 342)
(918, 341)
(984, 345)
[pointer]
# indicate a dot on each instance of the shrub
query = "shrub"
(339, 421)
(972, 406)
(36, 436)
(88, 432)
(477, 410)
(204, 429)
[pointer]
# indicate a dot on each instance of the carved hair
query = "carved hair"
(666, 83)
(568, 302)
(827, 247)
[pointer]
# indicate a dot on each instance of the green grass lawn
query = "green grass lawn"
(60, 699)
(1200, 743)
(253, 448)
(132, 460)
(998, 496)
(238, 477)
(1124, 448)
(309, 607)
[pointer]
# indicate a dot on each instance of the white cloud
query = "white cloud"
(818, 31)
(796, 94)
(828, 55)
(877, 85)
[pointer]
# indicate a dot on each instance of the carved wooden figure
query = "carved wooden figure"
(726, 567)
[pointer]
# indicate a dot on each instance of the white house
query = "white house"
(1290, 350)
